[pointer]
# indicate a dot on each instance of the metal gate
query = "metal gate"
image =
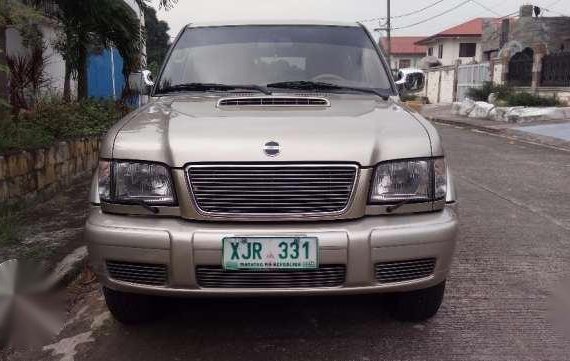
(471, 76)
(520, 68)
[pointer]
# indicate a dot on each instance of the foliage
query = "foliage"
(510, 97)
(23, 18)
(488, 88)
(27, 77)
(54, 119)
(531, 100)
(90, 24)
(157, 39)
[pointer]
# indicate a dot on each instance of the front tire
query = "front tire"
(418, 305)
(129, 308)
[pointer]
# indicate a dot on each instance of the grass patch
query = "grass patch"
(10, 218)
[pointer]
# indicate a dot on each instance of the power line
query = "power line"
(486, 8)
(463, 3)
(406, 14)
(554, 11)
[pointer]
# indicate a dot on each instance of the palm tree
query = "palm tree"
(102, 23)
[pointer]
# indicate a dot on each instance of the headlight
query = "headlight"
(128, 182)
(416, 180)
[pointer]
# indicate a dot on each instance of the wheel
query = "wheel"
(415, 306)
(129, 308)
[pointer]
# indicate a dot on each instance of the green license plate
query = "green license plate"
(270, 253)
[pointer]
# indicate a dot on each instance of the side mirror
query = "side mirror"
(141, 82)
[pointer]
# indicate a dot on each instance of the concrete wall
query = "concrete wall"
(451, 50)
(38, 174)
(552, 32)
(440, 84)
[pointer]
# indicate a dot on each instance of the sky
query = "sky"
(187, 11)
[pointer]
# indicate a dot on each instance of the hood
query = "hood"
(354, 128)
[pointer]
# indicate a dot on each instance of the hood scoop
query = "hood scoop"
(273, 101)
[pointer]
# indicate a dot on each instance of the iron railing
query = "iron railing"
(556, 70)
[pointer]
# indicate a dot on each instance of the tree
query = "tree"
(96, 23)
(157, 39)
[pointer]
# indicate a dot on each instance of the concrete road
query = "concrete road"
(513, 263)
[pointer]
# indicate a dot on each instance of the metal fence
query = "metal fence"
(471, 76)
(520, 68)
(556, 70)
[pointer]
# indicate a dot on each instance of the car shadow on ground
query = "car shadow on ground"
(259, 317)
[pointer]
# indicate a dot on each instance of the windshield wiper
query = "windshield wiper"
(315, 85)
(212, 86)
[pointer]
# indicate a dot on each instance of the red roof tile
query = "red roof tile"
(472, 28)
(405, 45)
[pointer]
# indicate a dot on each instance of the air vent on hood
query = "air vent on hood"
(273, 101)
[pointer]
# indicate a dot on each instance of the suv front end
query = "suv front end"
(275, 195)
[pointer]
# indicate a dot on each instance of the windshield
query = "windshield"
(264, 55)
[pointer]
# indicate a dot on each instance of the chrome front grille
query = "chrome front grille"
(272, 189)
(144, 274)
(389, 272)
(324, 276)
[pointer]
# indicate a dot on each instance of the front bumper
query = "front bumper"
(182, 246)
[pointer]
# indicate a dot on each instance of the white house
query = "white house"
(405, 52)
(461, 42)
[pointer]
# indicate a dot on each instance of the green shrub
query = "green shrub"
(482, 93)
(531, 100)
(54, 120)
(509, 97)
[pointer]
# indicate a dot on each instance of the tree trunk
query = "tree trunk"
(67, 83)
(3, 75)
(82, 79)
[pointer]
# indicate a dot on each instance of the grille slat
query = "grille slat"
(389, 272)
(272, 189)
(216, 277)
(146, 274)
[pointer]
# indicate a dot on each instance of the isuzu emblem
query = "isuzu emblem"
(271, 149)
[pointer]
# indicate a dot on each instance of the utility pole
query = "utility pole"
(389, 33)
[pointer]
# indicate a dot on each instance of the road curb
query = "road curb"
(507, 133)
(465, 125)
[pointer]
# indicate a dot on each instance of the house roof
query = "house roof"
(405, 45)
(472, 28)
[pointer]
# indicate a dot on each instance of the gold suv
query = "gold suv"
(272, 159)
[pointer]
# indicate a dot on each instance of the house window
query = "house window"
(430, 51)
(440, 52)
(467, 50)
(405, 63)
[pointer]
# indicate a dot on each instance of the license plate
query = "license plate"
(270, 253)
